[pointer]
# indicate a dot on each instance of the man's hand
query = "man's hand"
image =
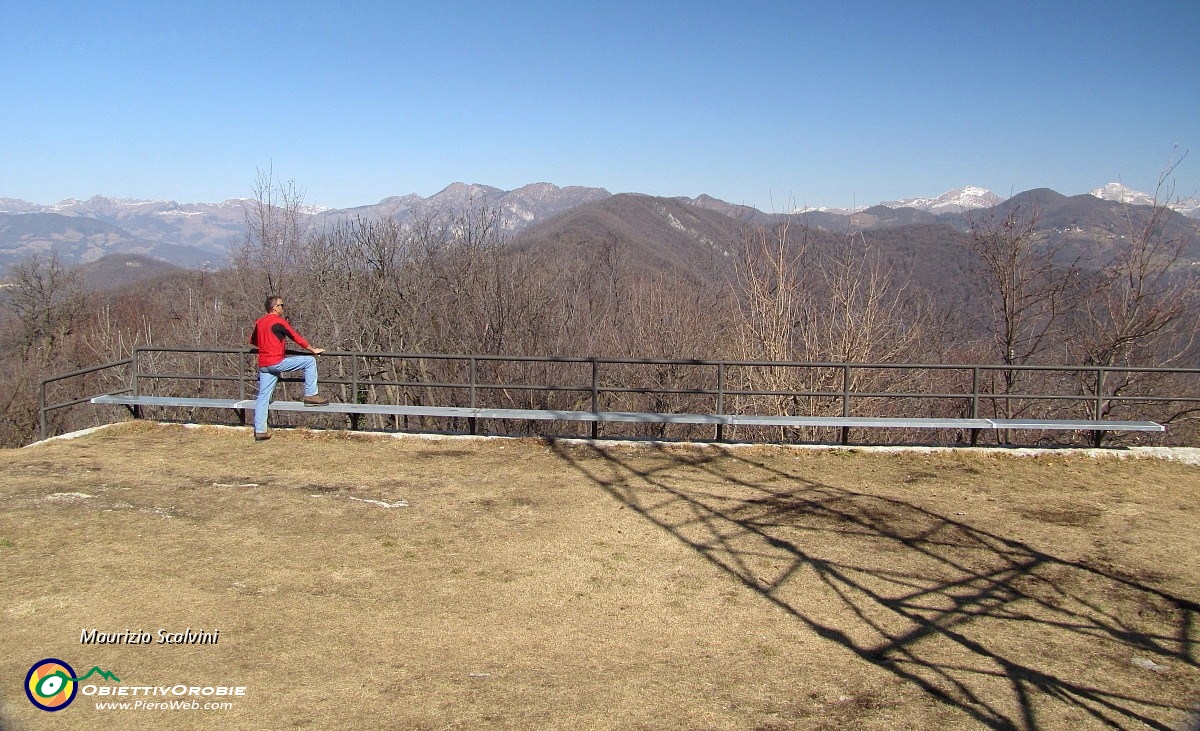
(316, 351)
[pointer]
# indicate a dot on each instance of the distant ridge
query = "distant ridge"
(653, 232)
(518, 208)
(199, 235)
(118, 270)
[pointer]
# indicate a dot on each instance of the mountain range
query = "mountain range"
(200, 235)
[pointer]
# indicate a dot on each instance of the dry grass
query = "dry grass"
(530, 584)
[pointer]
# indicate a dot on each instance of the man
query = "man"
(270, 332)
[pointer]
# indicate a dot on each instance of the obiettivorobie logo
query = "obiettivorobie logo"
(51, 684)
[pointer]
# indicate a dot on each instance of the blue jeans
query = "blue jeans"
(269, 376)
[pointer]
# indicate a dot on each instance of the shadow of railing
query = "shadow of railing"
(1011, 636)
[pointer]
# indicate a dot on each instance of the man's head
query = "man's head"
(273, 303)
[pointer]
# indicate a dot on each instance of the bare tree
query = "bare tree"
(1027, 294)
(1143, 307)
(832, 301)
(46, 298)
(871, 312)
(45, 301)
(276, 226)
(772, 268)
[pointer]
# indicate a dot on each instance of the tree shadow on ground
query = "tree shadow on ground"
(1010, 635)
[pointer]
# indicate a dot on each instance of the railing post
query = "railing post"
(846, 401)
(974, 403)
(471, 422)
(720, 399)
(720, 388)
(42, 410)
(1098, 435)
(242, 376)
(471, 380)
(595, 395)
(137, 410)
(134, 384)
(355, 396)
(241, 413)
(975, 392)
(846, 389)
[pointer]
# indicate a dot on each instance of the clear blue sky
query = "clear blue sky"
(765, 103)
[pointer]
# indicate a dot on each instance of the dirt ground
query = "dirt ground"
(460, 583)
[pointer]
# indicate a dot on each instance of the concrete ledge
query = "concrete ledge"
(641, 417)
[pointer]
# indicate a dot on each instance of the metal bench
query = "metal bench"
(974, 426)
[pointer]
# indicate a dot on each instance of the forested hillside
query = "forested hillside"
(636, 276)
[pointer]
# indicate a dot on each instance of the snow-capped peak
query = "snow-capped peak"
(1120, 193)
(954, 201)
(1123, 194)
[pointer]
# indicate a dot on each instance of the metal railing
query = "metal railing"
(708, 386)
(44, 409)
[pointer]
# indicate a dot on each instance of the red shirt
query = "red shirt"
(270, 332)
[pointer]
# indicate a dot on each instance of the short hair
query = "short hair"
(271, 302)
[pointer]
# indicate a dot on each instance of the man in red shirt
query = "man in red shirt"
(270, 332)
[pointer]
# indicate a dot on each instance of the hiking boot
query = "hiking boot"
(262, 436)
(315, 400)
